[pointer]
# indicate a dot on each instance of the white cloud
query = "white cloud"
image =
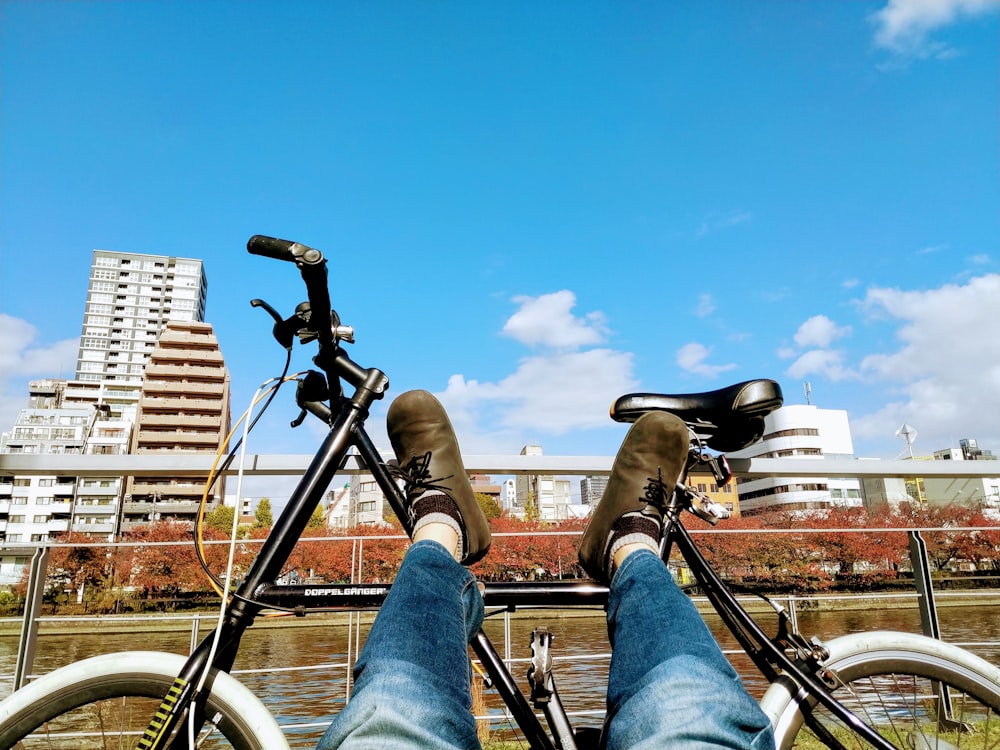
(931, 249)
(22, 359)
(817, 334)
(786, 352)
(706, 305)
(548, 321)
(717, 221)
(944, 378)
(565, 388)
(819, 331)
(904, 26)
(691, 357)
(826, 362)
(545, 395)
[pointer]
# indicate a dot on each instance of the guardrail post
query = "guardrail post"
(32, 606)
(929, 620)
(925, 588)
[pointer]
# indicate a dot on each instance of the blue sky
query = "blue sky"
(531, 208)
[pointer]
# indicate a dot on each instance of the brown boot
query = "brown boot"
(642, 479)
(430, 463)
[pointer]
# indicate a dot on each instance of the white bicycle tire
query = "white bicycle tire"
(905, 653)
(245, 716)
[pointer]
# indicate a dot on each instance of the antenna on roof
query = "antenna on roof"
(807, 389)
(909, 435)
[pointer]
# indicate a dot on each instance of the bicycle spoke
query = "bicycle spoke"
(908, 710)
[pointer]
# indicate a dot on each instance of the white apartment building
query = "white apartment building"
(508, 495)
(800, 431)
(129, 299)
(550, 496)
(35, 509)
(366, 501)
(338, 507)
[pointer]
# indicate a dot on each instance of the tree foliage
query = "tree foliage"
(846, 547)
(318, 518)
(263, 519)
(488, 505)
(221, 518)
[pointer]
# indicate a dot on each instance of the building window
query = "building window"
(810, 431)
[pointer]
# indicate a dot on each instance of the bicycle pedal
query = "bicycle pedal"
(707, 509)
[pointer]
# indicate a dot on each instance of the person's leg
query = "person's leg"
(670, 685)
(412, 680)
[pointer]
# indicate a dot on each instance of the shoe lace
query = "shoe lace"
(416, 474)
(656, 492)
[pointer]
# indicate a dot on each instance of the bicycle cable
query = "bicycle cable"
(217, 470)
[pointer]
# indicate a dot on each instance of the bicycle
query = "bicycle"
(879, 689)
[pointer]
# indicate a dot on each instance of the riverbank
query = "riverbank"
(155, 623)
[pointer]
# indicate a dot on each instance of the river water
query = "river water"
(311, 696)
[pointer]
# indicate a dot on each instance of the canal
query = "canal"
(311, 685)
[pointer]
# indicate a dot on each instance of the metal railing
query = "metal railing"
(187, 465)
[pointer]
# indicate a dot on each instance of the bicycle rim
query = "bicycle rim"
(917, 693)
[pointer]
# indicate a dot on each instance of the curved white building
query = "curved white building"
(800, 431)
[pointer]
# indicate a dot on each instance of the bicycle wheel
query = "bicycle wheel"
(893, 682)
(107, 702)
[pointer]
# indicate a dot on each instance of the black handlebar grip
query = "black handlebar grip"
(271, 247)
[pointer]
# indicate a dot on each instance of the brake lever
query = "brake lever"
(281, 330)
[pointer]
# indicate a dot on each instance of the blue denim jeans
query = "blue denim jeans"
(669, 685)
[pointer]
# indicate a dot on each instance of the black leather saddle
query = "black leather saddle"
(726, 419)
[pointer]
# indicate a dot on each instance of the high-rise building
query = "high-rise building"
(130, 298)
(184, 408)
(800, 431)
(592, 489)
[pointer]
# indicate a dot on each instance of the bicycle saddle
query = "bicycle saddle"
(727, 419)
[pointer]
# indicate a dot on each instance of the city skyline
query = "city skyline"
(561, 208)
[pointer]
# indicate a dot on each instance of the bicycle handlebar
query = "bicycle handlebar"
(272, 247)
(312, 267)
